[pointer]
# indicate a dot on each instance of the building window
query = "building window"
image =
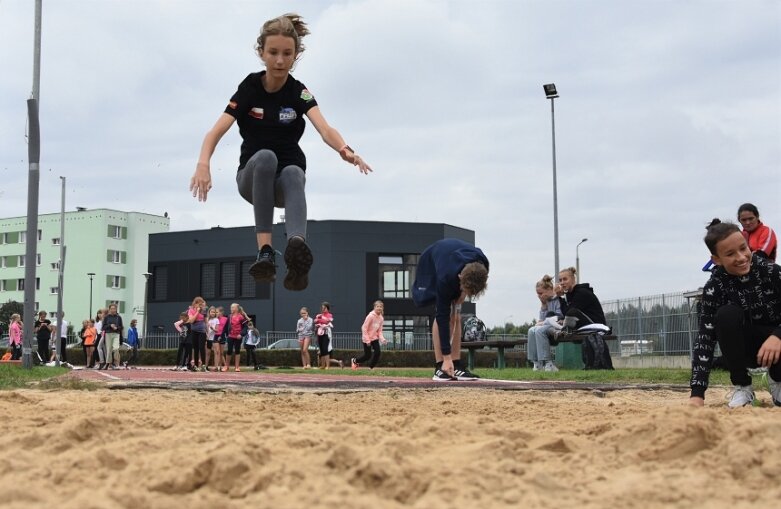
(53, 290)
(56, 241)
(115, 282)
(38, 259)
(228, 279)
(248, 283)
(40, 235)
(22, 237)
(407, 332)
(396, 274)
(20, 284)
(3, 285)
(117, 232)
(160, 283)
(208, 280)
(55, 265)
(114, 256)
(37, 283)
(119, 303)
(2, 262)
(21, 261)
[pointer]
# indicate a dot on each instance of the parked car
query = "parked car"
(288, 344)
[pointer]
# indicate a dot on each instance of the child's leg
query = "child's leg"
(305, 352)
(367, 353)
(256, 185)
(289, 191)
(209, 347)
(188, 353)
(180, 354)
(375, 346)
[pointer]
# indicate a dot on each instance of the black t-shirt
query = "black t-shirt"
(43, 334)
(273, 121)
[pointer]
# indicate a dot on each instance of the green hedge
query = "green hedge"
(389, 358)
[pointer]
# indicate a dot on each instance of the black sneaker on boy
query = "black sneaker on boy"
(264, 270)
(463, 374)
(298, 258)
(441, 376)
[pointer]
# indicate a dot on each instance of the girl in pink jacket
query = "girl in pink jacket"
(15, 336)
(371, 332)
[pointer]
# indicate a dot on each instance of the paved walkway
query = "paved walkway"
(276, 380)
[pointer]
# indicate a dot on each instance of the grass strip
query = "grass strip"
(13, 376)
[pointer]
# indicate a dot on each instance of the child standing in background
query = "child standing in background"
(324, 322)
(185, 342)
(371, 334)
(251, 343)
(305, 330)
(133, 343)
(221, 337)
(15, 336)
(212, 344)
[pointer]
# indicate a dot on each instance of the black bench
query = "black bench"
(499, 344)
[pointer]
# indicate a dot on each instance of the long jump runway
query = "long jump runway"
(273, 380)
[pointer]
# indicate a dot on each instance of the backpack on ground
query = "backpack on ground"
(596, 354)
(474, 330)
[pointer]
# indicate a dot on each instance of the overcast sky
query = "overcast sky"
(669, 115)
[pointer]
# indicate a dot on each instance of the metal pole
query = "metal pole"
(34, 152)
(60, 274)
(146, 303)
(33, 155)
(37, 52)
(555, 194)
(91, 275)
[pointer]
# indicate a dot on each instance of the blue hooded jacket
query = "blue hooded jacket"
(436, 280)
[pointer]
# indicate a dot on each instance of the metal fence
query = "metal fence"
(663, 324)
(341, 340)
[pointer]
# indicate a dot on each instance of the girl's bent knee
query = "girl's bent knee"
(263, 160)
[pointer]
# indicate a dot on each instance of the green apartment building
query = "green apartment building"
(111, 244)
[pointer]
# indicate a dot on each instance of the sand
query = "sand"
(385, 449)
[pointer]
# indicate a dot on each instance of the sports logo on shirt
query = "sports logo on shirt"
(256, 113)
(306, 95)
(287, 115)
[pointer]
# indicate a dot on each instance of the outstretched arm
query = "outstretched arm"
(201, 181)
(333, 139)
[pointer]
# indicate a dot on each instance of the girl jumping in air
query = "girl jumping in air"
(741, 311)
(269, 107)
(371, 334)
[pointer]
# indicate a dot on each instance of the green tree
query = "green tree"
(8, 309)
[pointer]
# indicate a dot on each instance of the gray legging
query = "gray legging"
(260, 185)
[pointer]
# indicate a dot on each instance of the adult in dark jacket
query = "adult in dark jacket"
(578, 300)
(449, 271)
(741, 310)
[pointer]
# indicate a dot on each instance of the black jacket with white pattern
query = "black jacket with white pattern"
(758, 293)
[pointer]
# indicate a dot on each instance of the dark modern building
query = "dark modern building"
(356, 263)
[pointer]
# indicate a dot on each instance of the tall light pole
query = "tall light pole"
(551, 93)
(577, 258)
(33, 179)
(91, 275)
(146, 302)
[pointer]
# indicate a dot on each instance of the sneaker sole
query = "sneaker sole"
(263, 272)
(299, 259)
(466, 379)
(437, 379)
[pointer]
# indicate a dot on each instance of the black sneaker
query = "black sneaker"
(264, 270)
(441, 376)
(464, 375)
(298, 258)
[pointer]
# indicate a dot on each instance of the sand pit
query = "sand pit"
(385, 449)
